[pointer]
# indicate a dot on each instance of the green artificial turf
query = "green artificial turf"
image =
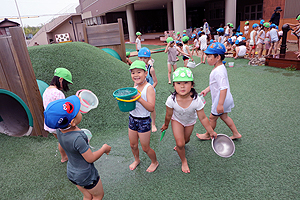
(265, 164)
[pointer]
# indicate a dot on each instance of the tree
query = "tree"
(32, 29)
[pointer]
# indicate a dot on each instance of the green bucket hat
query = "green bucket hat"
(178, 33)
(138, 64)
(185, 39)
(138, 33)
(63, 73)
(184, 31)
(298, 17)
(183, 74)
(127, 53)
(247, 22)
(169, 39)
(266, 24)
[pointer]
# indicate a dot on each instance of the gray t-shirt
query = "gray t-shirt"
(172, 54)
(79, 170)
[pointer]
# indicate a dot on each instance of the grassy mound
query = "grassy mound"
(92, 69)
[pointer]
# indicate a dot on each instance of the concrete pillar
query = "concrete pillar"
(131, 22)
(170, 16)
(230, 12)
(179, 12)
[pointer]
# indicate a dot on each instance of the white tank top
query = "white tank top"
(262, 36)
(252, 40)
(242, 51)
(139, 110)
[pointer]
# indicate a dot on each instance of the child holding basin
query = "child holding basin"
(64, 115)
(183, 107)
(222, 100)
(60, 81)
(139, 119)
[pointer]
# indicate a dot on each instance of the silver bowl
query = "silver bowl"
(223, 146)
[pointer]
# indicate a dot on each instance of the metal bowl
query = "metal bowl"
(223, 146)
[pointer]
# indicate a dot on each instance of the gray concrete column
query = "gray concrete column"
(170, 16)
(179, 13)
(131, 22)
(230, 12)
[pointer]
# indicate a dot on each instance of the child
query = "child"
(139, 119)
(62, 78)
(203, 46)
(64, 116)
(178, 37)
(172, 51)
(246, 29)
(274, 39)
(296, 32)
(240, 36)
(195, 45)
(222, 100)
(138, 44)
(186, 50)
(240, 50)
(261, 38)
(128, 61)
(267, 41)
(145, 55)
(253, 40)
(222, 38)
(183, 107)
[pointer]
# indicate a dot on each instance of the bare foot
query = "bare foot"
(154, 129)
(185, 168)
(63, 160)
(237, 136)
(152, 167)
(204, 136)
(175, 148)
(134, 165)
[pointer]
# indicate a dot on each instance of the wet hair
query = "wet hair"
(55, 82)
(222, 56)
(194, 94)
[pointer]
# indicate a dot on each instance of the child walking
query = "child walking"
(138, 43)
(139, 119)
(60, 81)
(183, 107)
(222, 100)
(64, 116)
(186, 50)
(145, 55)
(203, 46)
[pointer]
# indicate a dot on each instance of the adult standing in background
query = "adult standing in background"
(276, 16)
(206, 29)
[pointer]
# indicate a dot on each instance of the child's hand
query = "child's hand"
(213, 135)
(164, 127)
(204, 92)
(220, 108)
(107, 148)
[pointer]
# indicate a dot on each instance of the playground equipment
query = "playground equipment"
(21, 105)
(125, 102)
(112, 53)
(42, 86)
(88, 100)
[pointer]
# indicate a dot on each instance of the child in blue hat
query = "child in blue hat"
(240, 49)
(195, 45)
(222, 101)
(273, 39)
(222, 38)
(145, 55)
(253, 40)
(139, 127)
(64, 116)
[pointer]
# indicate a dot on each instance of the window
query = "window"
(253, 12)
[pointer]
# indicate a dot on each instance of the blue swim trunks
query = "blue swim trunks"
(139, 124)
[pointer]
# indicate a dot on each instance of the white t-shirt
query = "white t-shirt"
(185, 116)
(218, 80)
(242, 51)
(203, 42)
(138, 43)
(196, 42)
(140, 110)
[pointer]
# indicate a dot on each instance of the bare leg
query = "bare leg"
(213, 124)
(182, 136)
(229, 122)
(169, 72)
(145, 143)
(153, 116)
(134, 140)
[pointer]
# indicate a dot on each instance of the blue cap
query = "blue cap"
(199, 32)
(237, 34)
(255, 25)
(229, 40)
(262, 22)
(224, 62)
(221, 30)
(144, 52)
(211, 41)
(183, 35)
(240, 33)
(194, 35)
(273, 25)
(237, 42)
(243, 38)
(215, 48)
(276, 27)
(60, 113)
